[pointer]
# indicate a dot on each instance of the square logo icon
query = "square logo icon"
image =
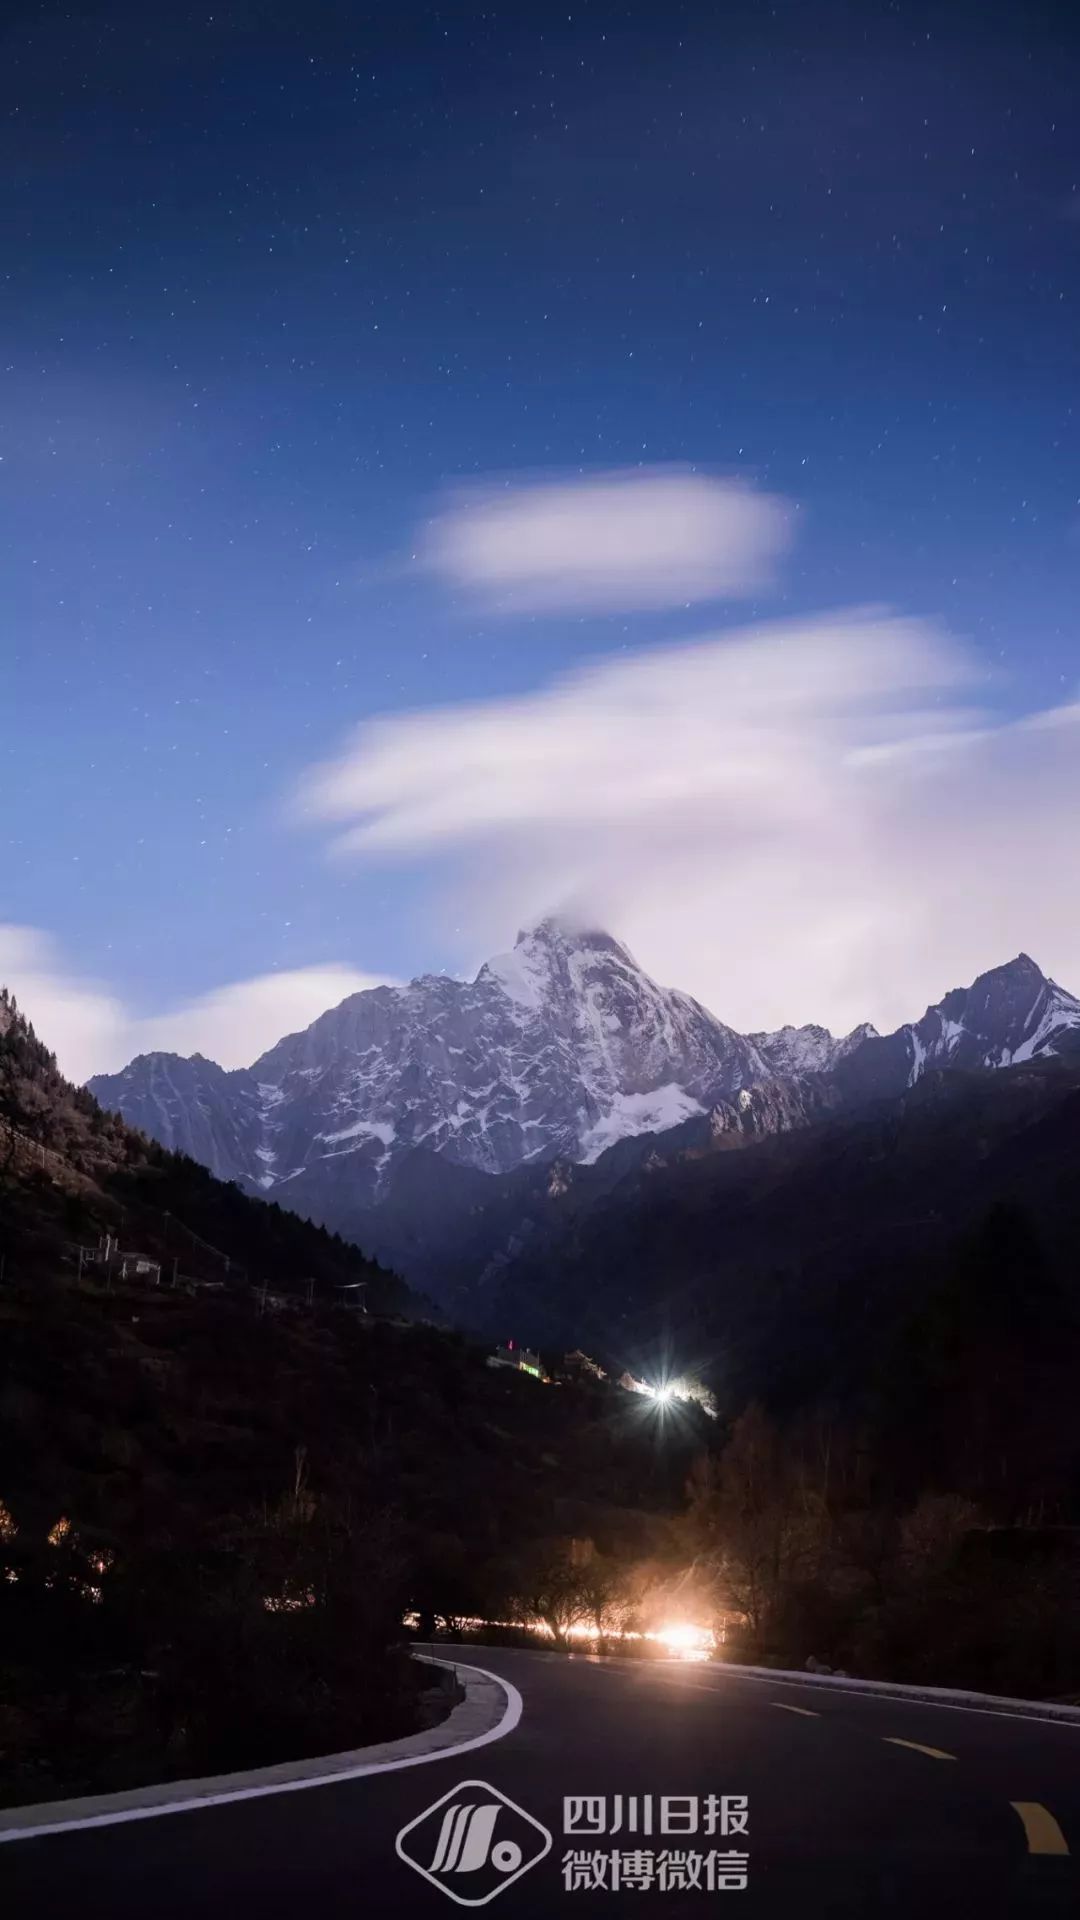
(473, 1842)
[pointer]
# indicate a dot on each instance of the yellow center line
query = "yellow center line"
(1042, 1830)
(808, 1712)
(916, 1746)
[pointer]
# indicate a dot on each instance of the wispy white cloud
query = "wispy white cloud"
(91, 1031)
(804, 820)
(647, 537)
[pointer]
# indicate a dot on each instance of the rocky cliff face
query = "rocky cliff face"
(1009, 1016)
(793, 1051)
(193, 1106)
(559, 1048)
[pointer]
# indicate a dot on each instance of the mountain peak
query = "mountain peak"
(792, 1051)
(547, 960)
(569, 932)
(1021, 967)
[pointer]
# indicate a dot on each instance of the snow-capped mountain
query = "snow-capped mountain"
(1006, 1017)
(558, 1048)
(793, 1051)
(1012, 1014)
(556, 1051)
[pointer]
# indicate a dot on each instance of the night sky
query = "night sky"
(275, 277)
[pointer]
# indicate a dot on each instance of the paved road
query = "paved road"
(858, 1806)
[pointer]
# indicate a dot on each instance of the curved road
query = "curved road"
(858, 1805)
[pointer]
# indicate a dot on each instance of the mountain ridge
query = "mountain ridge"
(776, 1261)
(555, 1052)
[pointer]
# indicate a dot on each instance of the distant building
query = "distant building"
(520, 1359)
(109, 1257)
(352, 1296)
(578, 1362)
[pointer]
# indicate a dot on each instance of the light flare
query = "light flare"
(679, 1639)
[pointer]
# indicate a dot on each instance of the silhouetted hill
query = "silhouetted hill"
(70, 1173)
(214, 1515)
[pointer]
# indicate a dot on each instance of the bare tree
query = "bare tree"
(550, 1588)
(759, 1518)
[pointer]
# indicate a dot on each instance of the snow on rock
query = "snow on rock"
(362, 1130)
(556, 1049)
(554, 1052)
(633, 1113)
(1010, 1015)
(811, 1049)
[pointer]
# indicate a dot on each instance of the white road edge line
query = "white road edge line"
(257, 1788)
(897, 1698)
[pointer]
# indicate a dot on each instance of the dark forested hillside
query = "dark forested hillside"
(786, 1266)
(221, 1491)
(70, 1173)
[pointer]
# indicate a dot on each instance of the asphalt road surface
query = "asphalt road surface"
(857, 1805)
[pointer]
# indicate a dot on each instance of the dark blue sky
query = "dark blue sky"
(273, 275)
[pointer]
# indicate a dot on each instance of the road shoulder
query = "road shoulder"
(491, 1709)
